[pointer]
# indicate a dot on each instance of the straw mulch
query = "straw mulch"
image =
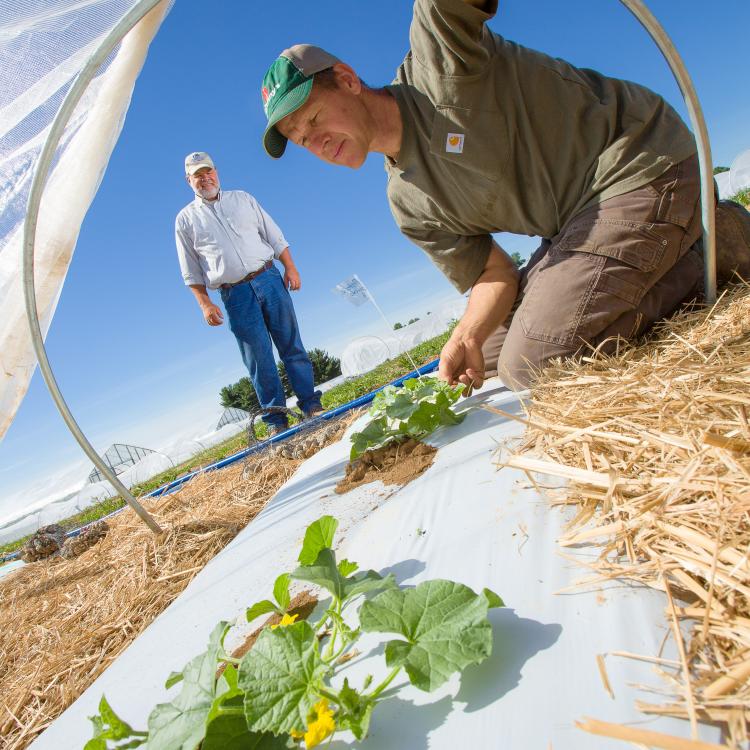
(655, 444)
(65, 621)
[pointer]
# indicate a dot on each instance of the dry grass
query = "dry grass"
(655, 445)
(66, 621)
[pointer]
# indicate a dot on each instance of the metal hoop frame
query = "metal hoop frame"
(126, 23)
(667, 48)
(41, 173)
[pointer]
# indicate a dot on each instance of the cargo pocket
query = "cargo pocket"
(593, 273)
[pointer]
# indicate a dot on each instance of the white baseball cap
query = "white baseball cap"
(197, 160)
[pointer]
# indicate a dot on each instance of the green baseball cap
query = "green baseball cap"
(286, 87)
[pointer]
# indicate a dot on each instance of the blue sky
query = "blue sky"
(128, 345)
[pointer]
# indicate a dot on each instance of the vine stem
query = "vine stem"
(331, 643)
(330, 696)
(384, 684)
(230, 711)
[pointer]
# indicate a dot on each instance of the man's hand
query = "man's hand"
(213, 314)
(490, 301)
(291, 275)
(292, 280)
(461, 361)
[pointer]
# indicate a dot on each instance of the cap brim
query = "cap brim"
(273, 142)
(195, 167)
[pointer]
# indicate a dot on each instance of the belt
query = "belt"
(268, 264)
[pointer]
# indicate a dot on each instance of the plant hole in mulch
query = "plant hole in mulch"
(396, 463)
(301, 605)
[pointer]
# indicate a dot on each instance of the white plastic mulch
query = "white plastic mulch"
(462, 520)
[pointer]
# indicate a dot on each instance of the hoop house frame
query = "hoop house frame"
(87, 73)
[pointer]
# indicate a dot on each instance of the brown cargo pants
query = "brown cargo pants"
(612, 271)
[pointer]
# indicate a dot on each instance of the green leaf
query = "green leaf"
(281, 676)
(326, 574)
(366, 582)
(402, 407)
(260, 608)
(281, 591)
(173, 679)
(109, 726)
(226, 727)
(416, 409)
(445, 626)
(346, 567)
(318, 536)
(181, 723)
(227, 682)
(493, 600)
(323, 572)
(373, 434)
(354, 711)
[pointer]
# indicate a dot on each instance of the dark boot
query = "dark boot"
(732, 242)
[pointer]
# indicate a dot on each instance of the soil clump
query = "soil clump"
(395, 463)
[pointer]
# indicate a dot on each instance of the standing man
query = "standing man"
(226, 241)
(482, 135)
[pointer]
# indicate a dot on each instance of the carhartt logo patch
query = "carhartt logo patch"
(454, 143)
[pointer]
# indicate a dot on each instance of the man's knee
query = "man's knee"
(521, 359)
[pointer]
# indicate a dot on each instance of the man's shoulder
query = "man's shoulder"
(185, 213)
(237, 195)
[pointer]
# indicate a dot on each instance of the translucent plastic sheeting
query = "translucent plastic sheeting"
(152, 464)
(143, 470)
(463, 520)
(737, 178)
(367, 352)
(55, 511)
(723, 180)
(43, 46)
(739, 172)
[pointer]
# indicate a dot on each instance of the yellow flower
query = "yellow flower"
(285, 620)
(320, 724)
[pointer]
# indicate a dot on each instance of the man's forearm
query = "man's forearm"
(286, 260)
(201, 294)
(491, 298)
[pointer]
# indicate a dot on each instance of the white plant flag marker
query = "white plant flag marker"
(353, 290)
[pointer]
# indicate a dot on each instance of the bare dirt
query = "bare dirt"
(301, 605)
(395, 463)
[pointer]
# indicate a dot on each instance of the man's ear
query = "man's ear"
(347, 78)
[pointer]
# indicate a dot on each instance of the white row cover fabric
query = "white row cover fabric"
(43, 46)
(90, 494)
(367, 352)
(462, 520)
(737, 178)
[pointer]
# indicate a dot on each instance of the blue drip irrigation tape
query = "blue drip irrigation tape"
(167, 489)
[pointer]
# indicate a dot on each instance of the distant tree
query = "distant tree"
(517, 259)
(719, 170)
(413, 320)
(325, 367)
(396, 326)
(241, 395)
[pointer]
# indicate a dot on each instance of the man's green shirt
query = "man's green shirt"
(499, 137)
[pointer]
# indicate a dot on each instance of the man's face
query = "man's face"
(205, 183)
(332, 123)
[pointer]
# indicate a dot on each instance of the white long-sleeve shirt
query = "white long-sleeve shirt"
(222, 241)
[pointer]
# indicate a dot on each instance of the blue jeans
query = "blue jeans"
(259, 311)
